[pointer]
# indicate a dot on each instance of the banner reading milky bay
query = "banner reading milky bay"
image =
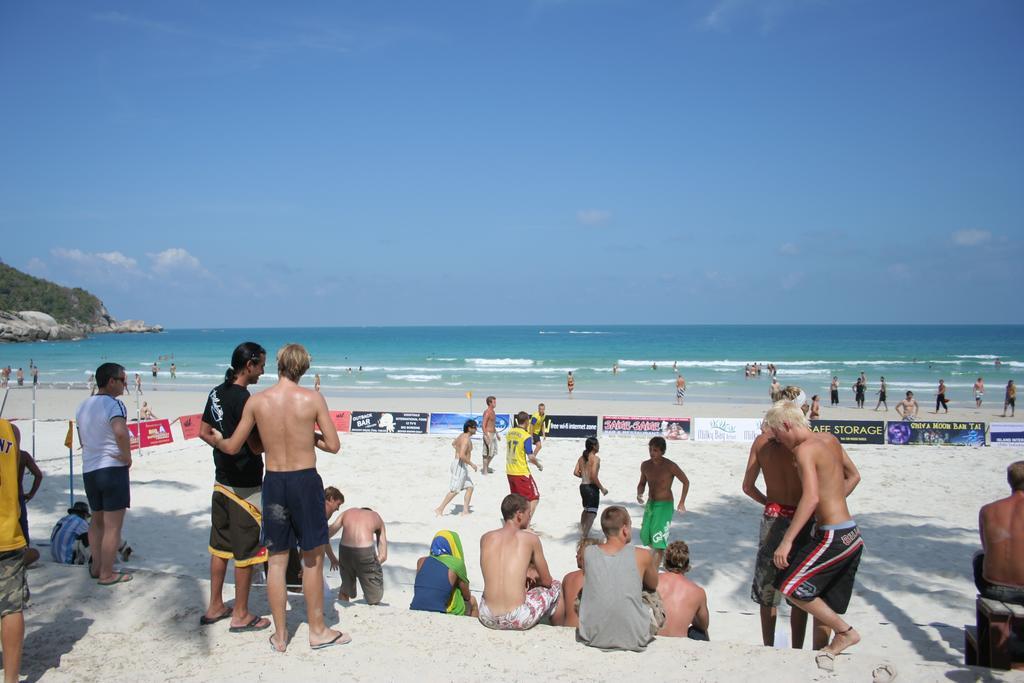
(936, 433)
(389, 423)
(573, 426)
(852, 431)
(741, 429)
(1006, 434)
(675, 428)
(451, 423)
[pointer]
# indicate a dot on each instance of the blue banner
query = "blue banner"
(451, 423)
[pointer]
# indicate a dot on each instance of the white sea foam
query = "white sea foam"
(360, 381)
(454, 384)
(447, 360)
(499, 361)
(415, 378)
(1013, 363)
(587, 332)
(803, 371)
(983, 356)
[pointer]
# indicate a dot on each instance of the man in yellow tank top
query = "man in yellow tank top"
(13, 586)
(520, 448)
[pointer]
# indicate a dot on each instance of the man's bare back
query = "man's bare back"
(775, 463)
(359, 527)
(505, 556)
(1002, 536)
(685, 603)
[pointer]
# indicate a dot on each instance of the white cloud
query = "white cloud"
(174, 258)
(971, 238)
(722, 14)
(789, 249)
(593, 216)
(36, 266)
(111, 258)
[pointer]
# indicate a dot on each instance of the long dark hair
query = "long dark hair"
(589, 447)
(243, 353)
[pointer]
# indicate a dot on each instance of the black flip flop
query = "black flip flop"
(251, 626)
(206, 621)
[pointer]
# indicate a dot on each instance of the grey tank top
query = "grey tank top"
(612, 614)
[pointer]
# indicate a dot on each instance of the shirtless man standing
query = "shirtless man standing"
(818, 575)
(658, 472)
(459, 479)
(907, 408)
(361, 552)
(293, 493)
(490, 436)
(680, 389)
(506, 554)
(782, 493)
(570, 383)
(979, 392)
(999, 567)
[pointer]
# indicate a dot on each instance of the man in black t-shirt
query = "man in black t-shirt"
(236, 505)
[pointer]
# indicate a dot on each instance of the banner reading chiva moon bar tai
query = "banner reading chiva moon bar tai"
(674, 428)
(190, 425)
(852, 431)
(153, 433)
(935, 433)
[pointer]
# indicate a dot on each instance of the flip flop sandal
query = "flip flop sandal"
(206, 621)
(340, 639)
(121, 578)
(251, 626)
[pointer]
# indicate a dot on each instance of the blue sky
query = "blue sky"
(535, 161)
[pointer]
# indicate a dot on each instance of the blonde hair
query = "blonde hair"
(292, 361)
(785, 411)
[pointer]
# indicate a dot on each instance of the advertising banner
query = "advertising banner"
(153, 433)
(1006, 434)
(738, 429)
(190, 425)
(389, 423)
(852, 431)
(573, 426)
(674, 428)
(451, 423)
(342, 419)
(936, 433)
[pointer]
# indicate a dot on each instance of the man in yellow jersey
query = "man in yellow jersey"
(540, 425)
(13, 586)
(520, 448)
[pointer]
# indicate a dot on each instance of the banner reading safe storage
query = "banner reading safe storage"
(741, 429)
(389, 423)
(852, 431)
(674, 428)
(451, 423)
(154, 433)
(573, 426)
(1006, 434)
(937, 433)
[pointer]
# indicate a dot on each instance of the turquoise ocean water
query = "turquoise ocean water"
(533, 361)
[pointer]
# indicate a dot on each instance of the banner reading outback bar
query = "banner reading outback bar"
(852, 431)
(937, 433)
(451, 423)
(573, 426)
(389, 423)
(675, 428)
(1006, 434)
(741, 429)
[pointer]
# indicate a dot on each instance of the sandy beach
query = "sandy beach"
(917, 507)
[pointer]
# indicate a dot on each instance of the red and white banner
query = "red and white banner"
(190, 425)
(342, 420)
(153, 433)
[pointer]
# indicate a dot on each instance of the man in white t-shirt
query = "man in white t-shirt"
(106, 457)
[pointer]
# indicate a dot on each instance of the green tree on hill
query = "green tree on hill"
(22, 292)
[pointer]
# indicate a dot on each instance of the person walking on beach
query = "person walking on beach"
(14, 592)
(1010, 400)
(818, 573)
(5, 376)
(236, 512)
(459, 472)
(520, 448)
(106, 458)
(540, 425)
(35, 376)
(518, 588)
(570, 383)
(680, 389)
(587, 468)
(656, 475)
(174, 371)
(20, 376)
(979, 392)
(154, 369)
(907, 408)
(860, 387)
(138, 383)
(92, 384)
(773, 461)
(834, 392)
(490, 436)
(316, 382)
(293, 492)
(999, 565)
(940, 397)
(882, 390)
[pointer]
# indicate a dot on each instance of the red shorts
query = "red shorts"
(524, 485)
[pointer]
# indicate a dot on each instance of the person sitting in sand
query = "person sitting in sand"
(146, 413)
(620, 608)
(361, 552)
(69, 540)
(907, 408)
(511, 601)
(999, 566)
(658, 473)
(459, 472)
(442, 583)
(685, 603)
(567, 611)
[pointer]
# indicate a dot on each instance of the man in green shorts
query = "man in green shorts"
(657, 473)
